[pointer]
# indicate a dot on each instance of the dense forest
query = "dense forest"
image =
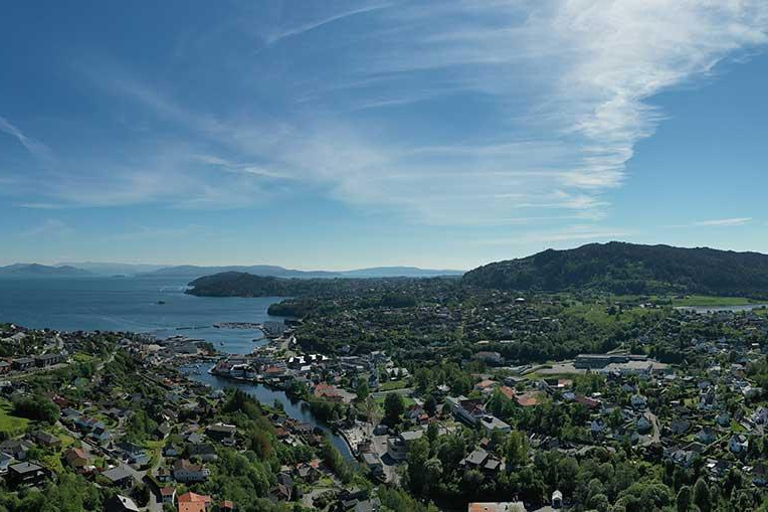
(625, 268)
(242, 284)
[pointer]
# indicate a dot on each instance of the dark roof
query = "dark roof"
(117, 474)
(25, 467)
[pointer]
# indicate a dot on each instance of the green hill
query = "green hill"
(625, 268)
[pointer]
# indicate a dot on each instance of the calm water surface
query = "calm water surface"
(131, 304)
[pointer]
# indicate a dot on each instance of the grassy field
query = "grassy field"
(393, 384)
(8, 423)
(705, 300)
(598, 314)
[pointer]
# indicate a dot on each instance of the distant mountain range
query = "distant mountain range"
(192, 272)
(275, 271)
(111, 269)
(37, 270)
(625, 268)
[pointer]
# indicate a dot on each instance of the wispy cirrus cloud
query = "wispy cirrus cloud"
(457, 113)
(50, 228)
(278, 33)
(34, 147)
(573, 233)
(726, 222)
(734, 221)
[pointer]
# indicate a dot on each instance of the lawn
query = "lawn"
(393, 384)
(598, 314)
(82, 357)
(8, 423)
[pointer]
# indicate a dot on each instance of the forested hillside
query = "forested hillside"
(625, 268)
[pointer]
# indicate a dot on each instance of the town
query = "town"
(128, 422)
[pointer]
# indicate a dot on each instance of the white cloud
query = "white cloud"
(556, 95)
(577, 233)
(736, 221)
(34, 147)
(732, 221)
(51, 228)
(277, 34)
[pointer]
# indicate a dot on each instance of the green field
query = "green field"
(8, 423)
(393, 384)
(705, 300)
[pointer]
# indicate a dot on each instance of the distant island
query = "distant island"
(193, 271)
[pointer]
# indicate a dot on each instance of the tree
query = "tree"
(393, 408)
(433, 431)
(362, 391)
(430, 405)
(417, 461)
(684, 499)
(516, 448)
(599, 502)
(36, 407)
(701, 496)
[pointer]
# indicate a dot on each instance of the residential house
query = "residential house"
(723, 419)
(77, 459)
(119, 477)
(171, 450)
(168, 495)
(491, 423)
(16, 448)
(48, 440)
(134, 454)
(739, 444)
(706, 435)
(476, 459)
(333, 393)
(192, 502)
(638, 402)
(26, 474)
(679, 426)
(45, 360)
(374, 464)
(468, 410)
(398, 447)
(186, 471)
(527, 399)
(222, 432)
(205, 452)
(23, 363)
(485, 386)
(119, 503)
(5, 461)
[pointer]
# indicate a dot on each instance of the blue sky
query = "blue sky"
(349, 134)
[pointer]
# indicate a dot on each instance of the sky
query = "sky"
(335, 135)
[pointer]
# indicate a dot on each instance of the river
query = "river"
(266, 395)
